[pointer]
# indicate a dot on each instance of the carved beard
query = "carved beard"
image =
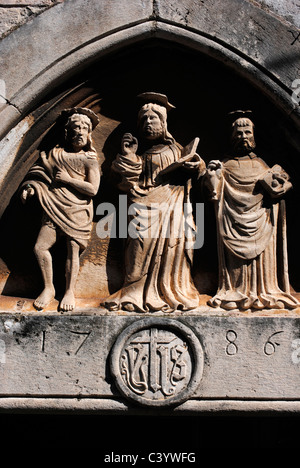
(152, 134)
(245, 146)
(79, 141)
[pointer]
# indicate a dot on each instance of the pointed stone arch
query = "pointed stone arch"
(42, 56)
(68, 37)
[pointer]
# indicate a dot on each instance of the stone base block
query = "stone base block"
(133, 364)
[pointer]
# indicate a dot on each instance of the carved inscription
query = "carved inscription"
(271, 343)
(269, 348)
(83, 336)
(231, 348)
(157, 364)
(155, 361)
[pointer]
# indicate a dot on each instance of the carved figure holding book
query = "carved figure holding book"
(158, 179)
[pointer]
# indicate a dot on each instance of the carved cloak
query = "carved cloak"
(157, 256)
(251, 240)
(66, 207)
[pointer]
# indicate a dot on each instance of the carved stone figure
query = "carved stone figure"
(251, 225)
(158, 180)
(65, 181)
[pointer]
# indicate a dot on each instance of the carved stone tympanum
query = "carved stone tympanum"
(65, 180)
(156, 173)
(251, 225)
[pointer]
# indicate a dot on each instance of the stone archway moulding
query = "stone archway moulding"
(67, 362)
(70, 36)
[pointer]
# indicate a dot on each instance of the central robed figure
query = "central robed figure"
(158, 253)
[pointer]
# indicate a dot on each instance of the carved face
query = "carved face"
(78, 130)
(151, 125)
(243, 136)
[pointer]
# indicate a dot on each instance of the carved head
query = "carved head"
(152, 121)
(152, 117)
(80, 122)
(242, 136)
(78, 131)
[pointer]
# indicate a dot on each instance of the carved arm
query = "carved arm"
(128, 164)
(89, 186)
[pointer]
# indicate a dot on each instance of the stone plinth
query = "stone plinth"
(236, 362)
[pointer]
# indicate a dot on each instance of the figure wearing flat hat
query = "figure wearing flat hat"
(251, 225)
(65, 180)
(156, 173)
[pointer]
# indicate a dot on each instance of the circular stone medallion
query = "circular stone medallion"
(157, 362)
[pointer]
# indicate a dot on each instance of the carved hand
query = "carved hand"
(196, 164)
(28, 192)
(214, 165)
(62, 176)
(129, 144)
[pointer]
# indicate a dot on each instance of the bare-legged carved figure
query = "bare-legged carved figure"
(65, 181)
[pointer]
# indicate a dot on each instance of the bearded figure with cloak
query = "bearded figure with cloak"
(251, 225)
(64, 181)
(158, 255)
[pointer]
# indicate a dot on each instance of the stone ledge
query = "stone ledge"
(23, 405)
(55, 362)
(19, 307)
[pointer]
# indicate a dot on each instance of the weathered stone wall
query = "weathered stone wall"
(288, 9)
(14, 13)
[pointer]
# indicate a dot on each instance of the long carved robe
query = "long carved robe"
(251, 240)
(157, 256)
(65, 206)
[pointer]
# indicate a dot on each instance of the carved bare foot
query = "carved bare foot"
(44, 298)
(68, 302)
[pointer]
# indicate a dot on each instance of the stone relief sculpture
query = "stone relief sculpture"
(158, 180)
(251, 225)
(65, 180)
